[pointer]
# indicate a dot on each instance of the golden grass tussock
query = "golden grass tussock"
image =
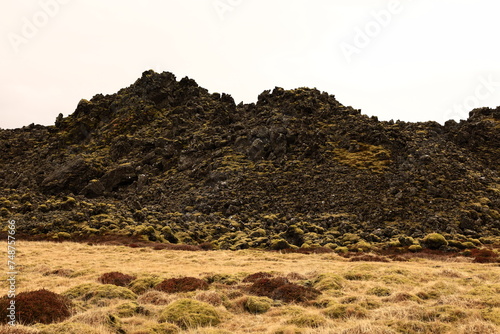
(420, 295)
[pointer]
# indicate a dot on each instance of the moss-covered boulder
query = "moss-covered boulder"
(189, 313)
(434, 241)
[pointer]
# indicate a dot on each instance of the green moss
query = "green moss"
(128, 309)
(371, 157)
(357, 276)
(394, 279)
(188, 313)
(308, 320)
(379, 291)
(258, 233)
(94, 292)
(415, 248)
(257, 305)
(435, 241)
(328, 282)
(279, 244)
(341, 250)
(345, 311)
(143, 284)
(62, 236)
(223, 279)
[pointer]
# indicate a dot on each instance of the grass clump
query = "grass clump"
(311, 320)
(102, 317)
(419, 327)
(164, 328)
(70, 328)
(294, 293)
(288, 330)
(345, 311)
(185, 284)
(492, 314)
(155, 297)
(41, 306)
(266, 286)
(255, 277)
(128, 309)
(222, 279)
(143, 284)
(116, 278)
(257, 305)
(328, 282)
(94, 292)
(18, 329)
(379, 291)
(189, 313)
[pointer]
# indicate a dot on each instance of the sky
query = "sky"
(409, 60)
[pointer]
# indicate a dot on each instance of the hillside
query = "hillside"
(167, 161)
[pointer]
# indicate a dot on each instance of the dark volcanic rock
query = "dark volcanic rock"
(167, 160)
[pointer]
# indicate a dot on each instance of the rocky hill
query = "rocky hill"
(166, 161)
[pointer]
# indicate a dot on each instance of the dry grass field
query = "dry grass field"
(419, 295)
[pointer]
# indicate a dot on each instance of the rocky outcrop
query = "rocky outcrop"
(295, 166)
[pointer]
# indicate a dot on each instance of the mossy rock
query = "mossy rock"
(257, 305)
(328, 282)
(415, 248)
(361, 246)
(94, 292)
(143, 284)
(69, 328)
(341, 250)
(165, 328)
(62, 236)
(435, 241)
(308, 320)
(279, 244)
(188, 313)
(258, 233)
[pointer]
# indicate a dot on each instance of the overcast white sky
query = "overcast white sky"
(413, 60)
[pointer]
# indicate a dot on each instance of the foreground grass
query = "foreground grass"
(417, 296)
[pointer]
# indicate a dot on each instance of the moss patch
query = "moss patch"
(188, 313)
